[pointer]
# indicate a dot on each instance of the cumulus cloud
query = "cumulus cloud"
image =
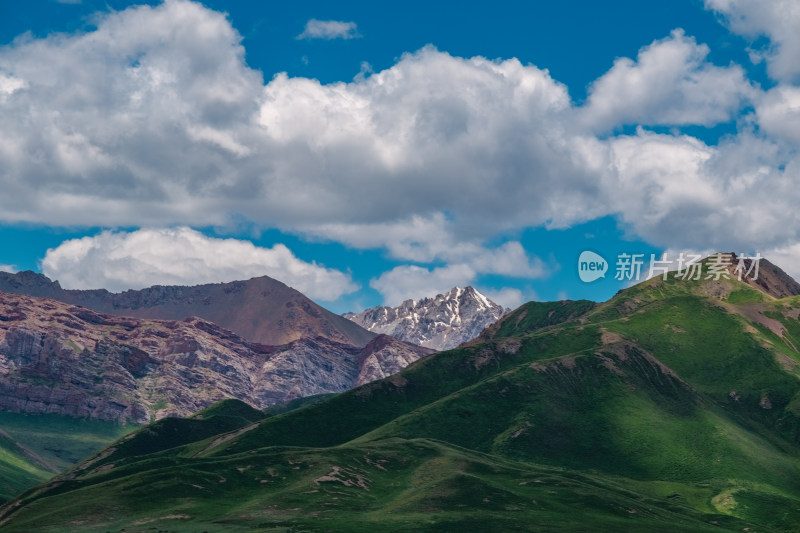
(678, 192)
(140, 115)
(670, 83)
(779, 114)
(778, 20)
(414, 282)
(412, 140)
(414, 238)
(9, 84)
(507, 297)
(8, 268)
(430, 239)
(465, 262)
(787, 258)
(509, 259)
(155, 119)
(182, 256)
(329, 29)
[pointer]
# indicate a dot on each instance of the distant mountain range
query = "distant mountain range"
(60, 358)
(441, 323)
(674, 406)
(261, 310)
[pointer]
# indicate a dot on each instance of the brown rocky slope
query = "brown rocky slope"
(60, 358)
(261, 309)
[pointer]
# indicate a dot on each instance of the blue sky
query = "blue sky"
(365, 154)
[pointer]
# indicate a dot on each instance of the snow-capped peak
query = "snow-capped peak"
(481, 298)
(441, 322)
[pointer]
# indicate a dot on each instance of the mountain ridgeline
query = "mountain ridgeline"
(674, 406)
(62, 359)
(261, 310)
(441, 323)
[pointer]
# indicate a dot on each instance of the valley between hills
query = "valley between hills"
(674, 406)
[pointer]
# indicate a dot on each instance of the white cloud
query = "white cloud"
(786, 257)
(507, 297)
(8, 268)
(412, 140)
(779, 113)
(415, 282)
(9, 84)
(414, 238)
(670, 83)
(182, 256)
(465, 264)
(659, 174)
(329, 29)
(677, 192)
(777, 20)
(155, 119)
(509, 259)
(429, 239)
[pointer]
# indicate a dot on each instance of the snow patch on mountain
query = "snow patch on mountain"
(440, 323)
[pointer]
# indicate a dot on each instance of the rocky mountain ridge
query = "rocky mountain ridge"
(441, 323)
(261, 310)
(767, 277)
(64, 359)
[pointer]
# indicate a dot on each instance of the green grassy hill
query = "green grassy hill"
(223, 417)
(34, 448)
(673, 406)
(20, 469)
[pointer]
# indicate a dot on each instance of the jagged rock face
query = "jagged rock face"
(386, 355)
(439, 323)
(261, 309)
(770, 278)
(59, 358)
(314, 366)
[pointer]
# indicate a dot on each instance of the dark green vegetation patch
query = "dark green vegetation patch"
(33, 448)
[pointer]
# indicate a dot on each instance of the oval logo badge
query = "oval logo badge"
(591, 266)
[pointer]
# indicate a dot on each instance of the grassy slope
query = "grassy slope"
(388, 485)
(19, 471)
(33, 448)
(167, 433)
(670, 406)
(533, 316)
(297, 403)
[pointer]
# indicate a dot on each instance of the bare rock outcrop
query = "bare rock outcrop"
(60, 358)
